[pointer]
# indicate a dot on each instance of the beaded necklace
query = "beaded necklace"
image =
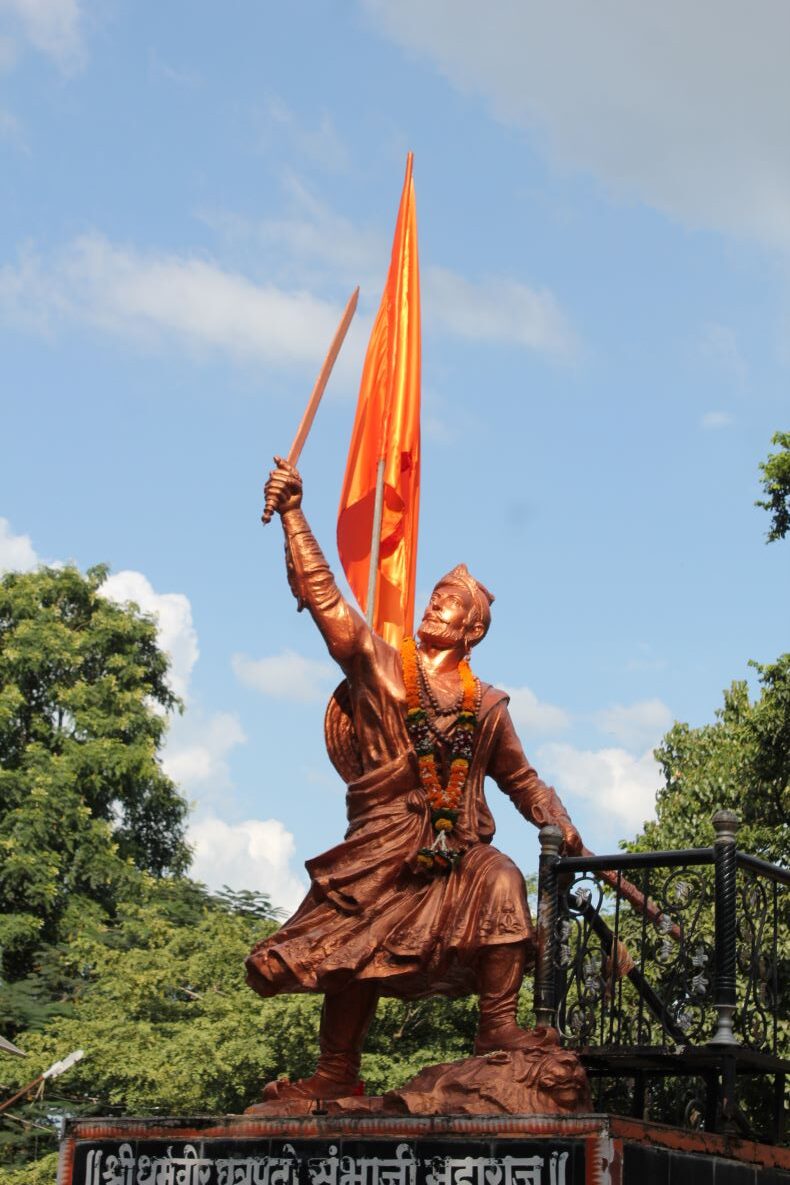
(444, 801)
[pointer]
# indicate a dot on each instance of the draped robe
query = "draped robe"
(371, 913)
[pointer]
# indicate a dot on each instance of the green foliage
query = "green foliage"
(776, 486)
(38, 1172)
(83, 798)
(741, 762)
(156, 998)
(158, 1002)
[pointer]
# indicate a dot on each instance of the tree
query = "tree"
(776, 485)
(84, 802)
(740, 762)
(158, 1002)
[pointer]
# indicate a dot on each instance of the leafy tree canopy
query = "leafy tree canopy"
(84, 801)
(741, 762)
(156, 997)
(776, 485)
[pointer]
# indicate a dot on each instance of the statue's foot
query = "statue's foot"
(317, 1086)
(509, 1036)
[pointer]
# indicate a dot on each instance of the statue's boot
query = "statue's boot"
(499, 976)
(345, 1020)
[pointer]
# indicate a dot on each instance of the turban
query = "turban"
(482, 599)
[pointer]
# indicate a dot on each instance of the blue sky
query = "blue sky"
(188, 194)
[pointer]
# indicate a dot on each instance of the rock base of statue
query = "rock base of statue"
(544, 1081)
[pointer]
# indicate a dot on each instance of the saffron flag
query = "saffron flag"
(387, 427)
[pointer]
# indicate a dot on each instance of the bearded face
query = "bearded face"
(446, 619)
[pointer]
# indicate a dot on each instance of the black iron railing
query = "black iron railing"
(669, 963)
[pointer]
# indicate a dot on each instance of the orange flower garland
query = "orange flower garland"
(444, 801)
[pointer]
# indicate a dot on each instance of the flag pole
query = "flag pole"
(378, 502)
(375, 540)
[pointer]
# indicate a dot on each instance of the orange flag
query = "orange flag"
(387, 425)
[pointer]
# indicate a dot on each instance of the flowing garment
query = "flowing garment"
(371, 914)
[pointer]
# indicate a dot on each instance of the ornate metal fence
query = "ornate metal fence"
(668, 964)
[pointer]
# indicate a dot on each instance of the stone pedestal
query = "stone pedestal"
(409, 1150)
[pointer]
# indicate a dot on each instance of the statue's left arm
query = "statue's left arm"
(531, 796)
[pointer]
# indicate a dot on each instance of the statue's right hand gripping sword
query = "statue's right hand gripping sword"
(318, 390)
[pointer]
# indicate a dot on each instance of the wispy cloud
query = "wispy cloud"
(615, 780)
(11, 131)
(321, 144)
(636, 726)
(179, 77)
(287, 676)
(17, 553)
(640, 95)
(498, 310)
(54, 27)
(534, 717)
(716, 419)
(720, 348)
(198, 746)
(311, 244)
(159, 298)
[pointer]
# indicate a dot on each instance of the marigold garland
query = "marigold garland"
(444, 801)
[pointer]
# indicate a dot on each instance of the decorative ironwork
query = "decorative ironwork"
(626, 981)
(665, 967)
(756, 961)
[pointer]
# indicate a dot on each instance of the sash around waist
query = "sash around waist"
(384, 786)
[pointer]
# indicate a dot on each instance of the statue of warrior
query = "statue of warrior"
(416, 900)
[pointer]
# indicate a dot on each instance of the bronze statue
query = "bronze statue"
(415, 901)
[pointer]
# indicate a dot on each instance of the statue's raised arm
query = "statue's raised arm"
(309, 575)
(415, 900)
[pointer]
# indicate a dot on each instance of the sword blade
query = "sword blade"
(322, 380)
(320, 385)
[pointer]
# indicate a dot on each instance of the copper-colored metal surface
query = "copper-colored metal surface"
(372, 918)
(306, 423)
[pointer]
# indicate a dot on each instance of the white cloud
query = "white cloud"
(636, 726)
(255, 854)
(196, 752)
(620, 785)
(716, 419)
(17, 553)
(173, 612)
(158, 297)
(681, 105)
(531, 716)
(311, 241)
(197, 744)
(497, 309)
(287, 676)
(53, 27)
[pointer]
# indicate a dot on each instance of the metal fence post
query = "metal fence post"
(546, 964)
(726, 825)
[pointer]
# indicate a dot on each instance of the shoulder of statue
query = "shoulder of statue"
(490, 698)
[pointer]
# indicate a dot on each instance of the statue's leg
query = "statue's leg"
(345, 1020)
(500, 970)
